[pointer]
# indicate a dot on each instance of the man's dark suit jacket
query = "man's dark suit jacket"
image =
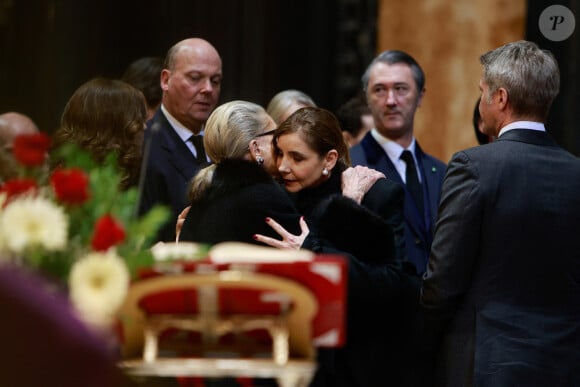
(503, 281)
(418, 227)
(169, 169)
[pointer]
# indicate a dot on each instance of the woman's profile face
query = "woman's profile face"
(299, 166)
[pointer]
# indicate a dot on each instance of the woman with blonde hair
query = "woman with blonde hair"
(231, 198)
(240, 130)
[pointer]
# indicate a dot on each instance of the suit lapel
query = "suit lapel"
(178, 155)
(430, 174)
(378, 159)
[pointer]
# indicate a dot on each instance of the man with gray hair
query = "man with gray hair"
(502, 288)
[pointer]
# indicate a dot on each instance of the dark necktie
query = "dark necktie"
(413, 184)
(197, 142)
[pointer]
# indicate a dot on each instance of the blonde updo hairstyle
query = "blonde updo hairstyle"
(231, 127)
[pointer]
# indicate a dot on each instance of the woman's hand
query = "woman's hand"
(289, 241)
(356, 181)
(179, 223)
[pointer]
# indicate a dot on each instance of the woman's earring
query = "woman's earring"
(259, 160)
(325, 172)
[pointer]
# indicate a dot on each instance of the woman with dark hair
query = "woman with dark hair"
(382, 343)
(313, 162)
(104, 116)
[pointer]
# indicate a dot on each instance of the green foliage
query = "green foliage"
(107, 198)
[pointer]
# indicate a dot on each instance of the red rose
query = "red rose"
(71, 186)
(31, 149)
(108, 232)
(14, 187)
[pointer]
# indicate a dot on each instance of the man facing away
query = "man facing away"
(394, 85)
(173, 148)
(501, 295)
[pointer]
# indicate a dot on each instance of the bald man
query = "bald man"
(173, 150)
(12, 124)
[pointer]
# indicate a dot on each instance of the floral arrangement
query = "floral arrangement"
(75, 225)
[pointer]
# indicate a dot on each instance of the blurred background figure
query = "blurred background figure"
(43, 341)
(286, 102)
(144, 74)
(355, 118)
(103, 116)
(12, 124)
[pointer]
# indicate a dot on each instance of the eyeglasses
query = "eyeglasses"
(266, 133)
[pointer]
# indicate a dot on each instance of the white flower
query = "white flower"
(33, 221)
(98, 286)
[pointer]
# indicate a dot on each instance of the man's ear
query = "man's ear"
(164, 79)
(502, 98)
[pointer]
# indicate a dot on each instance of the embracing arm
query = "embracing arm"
(357, 181)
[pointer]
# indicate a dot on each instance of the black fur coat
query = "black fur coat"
(233, 208)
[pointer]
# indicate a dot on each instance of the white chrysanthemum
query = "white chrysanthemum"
(33, 221)
(98, 286)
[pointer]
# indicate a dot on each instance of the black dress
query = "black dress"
(383, 321)
(233, 208)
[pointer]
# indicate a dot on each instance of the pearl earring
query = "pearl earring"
(325, 172)
(259, 160)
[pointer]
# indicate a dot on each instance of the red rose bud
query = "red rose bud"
(71, 186)
(15, 187)
(31, 149)
(108, 232)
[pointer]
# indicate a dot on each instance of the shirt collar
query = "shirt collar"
(531, 125)
(392, 149)
(179, 128)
